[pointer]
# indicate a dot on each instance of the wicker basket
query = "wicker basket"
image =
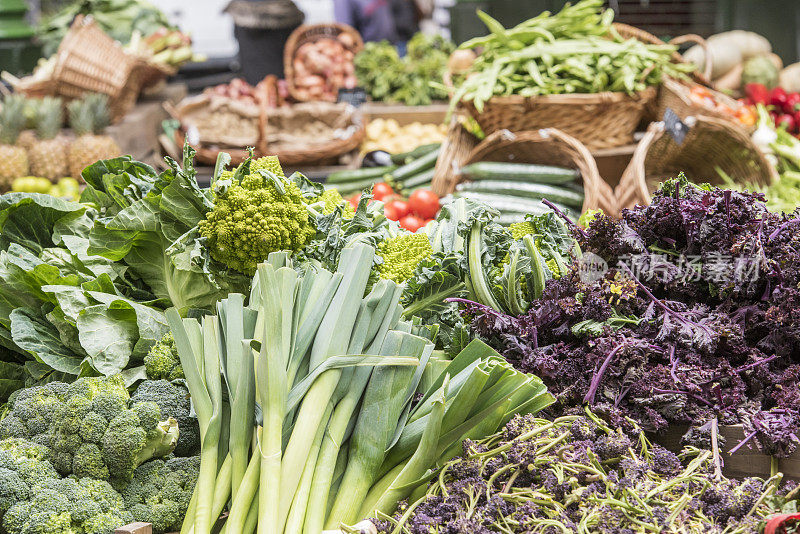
(312, 32)
(151, 74)
(710, 146)
(599, 120)
(675, 95)
(702, 78)
(340, 117)
(89, 61)
(454, 152)
(549, 146)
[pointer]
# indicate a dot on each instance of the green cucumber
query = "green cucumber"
(524, 172)
(425, 177)
(505, 203)
(552, 193)
(411, 155)
(348, 176)
(424, 163)
(354, 187)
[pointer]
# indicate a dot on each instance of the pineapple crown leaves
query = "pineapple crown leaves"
(98, 104)
(49, 118)
(89, 115)
(12, 118)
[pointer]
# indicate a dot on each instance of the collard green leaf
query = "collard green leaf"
(27, 219)
(108, 335)
(33, 333)
(12, 378)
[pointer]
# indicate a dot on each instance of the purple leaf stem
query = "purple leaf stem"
(564, 216)
(589, 398)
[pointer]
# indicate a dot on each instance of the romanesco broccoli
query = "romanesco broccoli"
(256, 216)
(401, 255)
(331, 200)
(162, 361)
(521, 229)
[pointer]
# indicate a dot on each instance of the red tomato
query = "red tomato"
(424, 203)
(785, 121)
(381, 191)
(390, 212)
(757, 93)
(778, 97)
(353, 200)
(412, 223)
(792, 103)
(399, 206)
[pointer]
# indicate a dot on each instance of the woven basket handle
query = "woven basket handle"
(696, 39)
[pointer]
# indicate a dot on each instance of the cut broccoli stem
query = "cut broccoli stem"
(160, 442)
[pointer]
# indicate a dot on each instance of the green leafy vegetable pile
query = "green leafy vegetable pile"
(576, 50)
(388, 77)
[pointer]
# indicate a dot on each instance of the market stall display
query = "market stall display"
(461, 327)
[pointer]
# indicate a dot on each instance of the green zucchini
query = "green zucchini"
(524, 172)
(411, 155)
(355, 175)
(424, 163)
(425, 177)
(552, 193)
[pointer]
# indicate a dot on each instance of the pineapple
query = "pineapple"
(13, 159)
(48, 154)
(28, 136)
(88, 118)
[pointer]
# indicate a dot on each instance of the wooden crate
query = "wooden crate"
(747, 461)
(432, 114)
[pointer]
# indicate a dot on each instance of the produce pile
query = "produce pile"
(389, 136)
(32, 141)
(576, 474)
(682, 314)
(414, 79)
(118, 18)
(321, 67)
(573, 51)
(88, 457)
(346, 416)
(517, 189)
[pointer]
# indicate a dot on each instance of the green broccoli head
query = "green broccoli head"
(12, 490)
(68, 506)
(92, 431)
(135, 436)
(259, 215)
(160, 492)
(32, 411)
(174, 401)
(162, 362)
(28, 460)
(401, 255)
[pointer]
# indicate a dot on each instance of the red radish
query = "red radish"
(792, 103)
(424, 203)
(785, 121)
(757, 93)
(777, 97)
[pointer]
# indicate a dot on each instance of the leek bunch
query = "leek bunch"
(337, 407)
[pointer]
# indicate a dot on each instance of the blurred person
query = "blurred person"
(374, 19)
